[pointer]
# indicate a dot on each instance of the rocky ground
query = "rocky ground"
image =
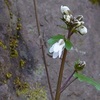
(20, 53)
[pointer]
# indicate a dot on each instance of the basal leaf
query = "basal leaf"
(68, 44)
(84, 78)
(54, 39)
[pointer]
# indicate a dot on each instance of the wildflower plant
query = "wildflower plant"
(60, 45)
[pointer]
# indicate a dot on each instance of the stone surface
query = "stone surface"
(28, 48)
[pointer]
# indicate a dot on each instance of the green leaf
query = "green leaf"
(84, 78)
(68, 44)
(54, 39)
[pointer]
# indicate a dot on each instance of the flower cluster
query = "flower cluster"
(76, 23)
(57, 48)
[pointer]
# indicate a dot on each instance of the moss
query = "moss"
(8, 75)
(11, 14)
(7, 3)
(13, 42)
(13, 46)
(14, 53)
(19, 25)
(20, 85)
(39, 72)
(95, 1)
(2, 45)
(5, 81)
(36, 93)
(22, 63)
(4, 74)
(22, 92)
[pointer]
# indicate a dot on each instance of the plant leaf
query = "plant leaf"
(84, 78)
(54, 39)
(68, 44)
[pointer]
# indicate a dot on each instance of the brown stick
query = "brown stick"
(42, 48)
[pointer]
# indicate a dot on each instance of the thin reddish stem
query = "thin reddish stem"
(42, 48)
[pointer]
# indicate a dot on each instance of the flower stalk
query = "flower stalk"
(57, 96)
(66, 82)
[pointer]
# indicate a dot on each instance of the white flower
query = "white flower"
(65, 10)
(82, 30)
(68, 17)
(57, 48)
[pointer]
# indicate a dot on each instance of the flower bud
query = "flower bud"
(82, 30)
(78, 23)
(79, 17)
(80, 65)
(67, 18)
(65, 10)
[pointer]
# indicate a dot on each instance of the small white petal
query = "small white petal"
(55, 54)
(80, 17)
(56, 47)
(68, 17)
(78, 23)
(65, 9)
(62, 45)
(61, 41)
(84, 62)
(51, 49)
(60, 52)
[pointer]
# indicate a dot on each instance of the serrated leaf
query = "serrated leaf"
(54, 39)
(68, 44)
(84, 78)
